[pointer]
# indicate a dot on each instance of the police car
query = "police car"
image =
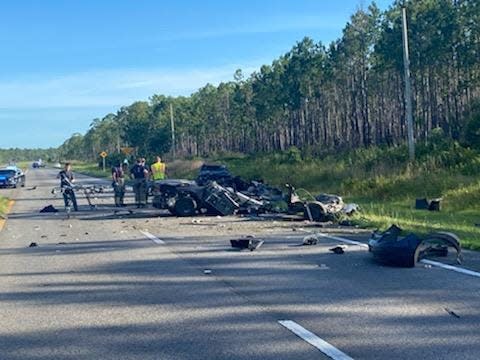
(11, 176)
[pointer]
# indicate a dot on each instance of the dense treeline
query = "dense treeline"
(16, 155)
(317, 98)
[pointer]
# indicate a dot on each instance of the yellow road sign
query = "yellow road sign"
(103, 154)
(127, 150)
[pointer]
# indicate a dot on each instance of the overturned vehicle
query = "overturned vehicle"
(390, 248)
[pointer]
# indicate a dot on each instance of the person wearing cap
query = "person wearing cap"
(139, 174)
(158, 169)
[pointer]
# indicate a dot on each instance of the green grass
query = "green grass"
(91, 170)
(3, 206)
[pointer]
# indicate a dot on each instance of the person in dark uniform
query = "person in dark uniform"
(139, 174)
(118, 184)
(66, 184)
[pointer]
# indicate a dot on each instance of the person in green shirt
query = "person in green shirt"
(158, 169)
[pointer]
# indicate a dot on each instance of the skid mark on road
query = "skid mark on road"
(155, 239)
(326, 348)
(425, 261)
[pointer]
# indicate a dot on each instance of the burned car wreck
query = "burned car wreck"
(390, 248)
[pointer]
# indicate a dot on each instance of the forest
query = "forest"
(320, 98)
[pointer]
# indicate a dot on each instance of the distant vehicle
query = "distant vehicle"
(12, 176)
(38, 164)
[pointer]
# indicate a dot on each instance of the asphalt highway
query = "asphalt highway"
(101, 285)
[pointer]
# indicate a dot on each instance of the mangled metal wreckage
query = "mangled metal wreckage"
(188, 198)
(390, 247)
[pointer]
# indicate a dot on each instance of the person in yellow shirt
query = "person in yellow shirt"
(158, 169)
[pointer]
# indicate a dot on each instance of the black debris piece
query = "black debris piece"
(390, 248)
(49, 209)
(453, 313)
(337, 250)
(33, 244)
(249, 243)
(425, 204)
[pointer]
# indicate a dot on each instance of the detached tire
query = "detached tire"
(185, 206)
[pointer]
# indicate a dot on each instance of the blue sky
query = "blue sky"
(64, 63)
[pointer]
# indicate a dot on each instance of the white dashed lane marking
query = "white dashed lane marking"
(326, 348)
(155, 239)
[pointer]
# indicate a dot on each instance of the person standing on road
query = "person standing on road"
(139, 174)
(66, 184)
(158, 169)
(118, 178)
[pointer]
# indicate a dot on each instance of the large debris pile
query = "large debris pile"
(216, 191)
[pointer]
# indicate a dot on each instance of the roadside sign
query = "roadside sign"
(103, 154)
(127, 150)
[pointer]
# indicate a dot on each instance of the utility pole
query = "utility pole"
(408, 86)
(172, 124)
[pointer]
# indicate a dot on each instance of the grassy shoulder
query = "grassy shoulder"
(90, 169)
(3, 206)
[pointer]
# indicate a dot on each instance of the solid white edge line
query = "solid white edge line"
(351, 242)
(451, 267)
(424, 261)
(326, 348)
(155, 239)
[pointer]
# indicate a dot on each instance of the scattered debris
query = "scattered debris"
(62, 243)
(453, 313)
(310, 240)
(43, 236)
(49, 209)
(32, 188)
(33, 244)
(388, 247)
(339, 250)
(207, 271)
(425, 204)
(323, 267)
(248, 242)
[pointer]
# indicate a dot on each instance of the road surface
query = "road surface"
(146, 286)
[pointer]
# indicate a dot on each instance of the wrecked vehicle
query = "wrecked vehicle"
(217, 192)
(212, 172)
(187, 198)
(389, 247)
(322, 208)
